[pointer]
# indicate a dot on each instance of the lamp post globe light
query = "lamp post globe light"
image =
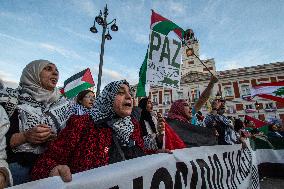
(101, 20)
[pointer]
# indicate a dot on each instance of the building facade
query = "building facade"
(234, 85)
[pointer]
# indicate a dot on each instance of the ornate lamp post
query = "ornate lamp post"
(101, 19)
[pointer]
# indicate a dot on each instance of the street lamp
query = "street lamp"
(101, 19)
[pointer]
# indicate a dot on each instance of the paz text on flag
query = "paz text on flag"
(164, 61)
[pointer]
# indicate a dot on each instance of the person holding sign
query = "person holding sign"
(108, 136)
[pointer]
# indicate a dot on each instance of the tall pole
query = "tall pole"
(102, 51)
(102, 21)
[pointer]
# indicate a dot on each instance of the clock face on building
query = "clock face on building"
(189, 52)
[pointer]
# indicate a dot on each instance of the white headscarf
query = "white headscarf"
(31, 84)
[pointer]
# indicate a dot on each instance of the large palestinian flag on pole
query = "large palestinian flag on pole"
(77, 83)
(273, 91)
(164, 26)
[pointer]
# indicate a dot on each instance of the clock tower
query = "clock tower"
(189, 59)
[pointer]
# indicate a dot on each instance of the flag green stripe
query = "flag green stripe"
(271, 143)
(165, 27)
(73, 92)
(142, 78)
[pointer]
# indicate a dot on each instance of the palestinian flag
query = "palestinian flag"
(164, 26)
(273, 91)
(77, 83)
(258, 123)
(269, 153)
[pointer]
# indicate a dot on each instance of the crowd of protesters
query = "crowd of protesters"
(45, 135)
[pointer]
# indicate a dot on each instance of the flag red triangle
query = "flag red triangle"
(155, 17)
(258, 123)
(87, 77)
(61, 90)
(271, 97)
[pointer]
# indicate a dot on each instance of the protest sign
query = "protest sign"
(211, 167)
(164, 61)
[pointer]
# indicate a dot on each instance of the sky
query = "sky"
(236, 33)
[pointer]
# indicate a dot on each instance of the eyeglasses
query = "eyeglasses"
(89, 97)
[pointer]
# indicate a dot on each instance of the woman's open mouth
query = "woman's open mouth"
(53, 80)
(128, 104)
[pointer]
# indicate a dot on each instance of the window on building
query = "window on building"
(245, 90)
(167, 99)
(190, 63)
(249, 106)
(228, 91)
(155, 99)
(230, 109)
(269, 106)
(196, 94)
(180, 95)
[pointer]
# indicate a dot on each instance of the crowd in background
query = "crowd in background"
(42, 134)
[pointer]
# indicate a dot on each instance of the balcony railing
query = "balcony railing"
(231, 111)
(250, 110)
(247, 97)
(166, 103)
(273, 109)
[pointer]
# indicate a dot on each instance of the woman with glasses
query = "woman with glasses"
(86, 98)
(84, 102)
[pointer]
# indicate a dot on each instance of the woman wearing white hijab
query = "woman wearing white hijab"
(36, 113)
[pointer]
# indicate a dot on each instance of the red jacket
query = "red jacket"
(81, 146)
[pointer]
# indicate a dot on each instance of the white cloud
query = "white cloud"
(244, 59)
(172, 7)
(141, 38)
(15, 17)
(87, 6)
(77, 34)
(11, 84)
(64, 52)
(177, 8)
(17, 39)
(203, 56)
(7, 80)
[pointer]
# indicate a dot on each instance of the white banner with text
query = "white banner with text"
(217, 167)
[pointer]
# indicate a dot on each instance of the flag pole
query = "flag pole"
(200, 60)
